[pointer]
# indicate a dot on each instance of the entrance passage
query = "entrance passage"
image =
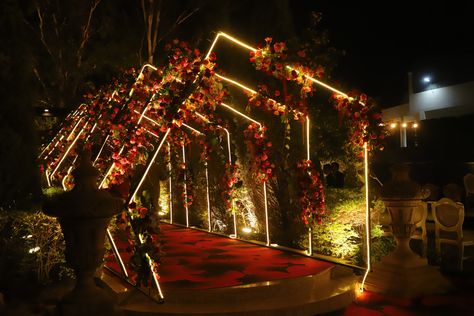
(196, 259)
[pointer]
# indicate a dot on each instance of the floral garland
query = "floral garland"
(365, 120)
(311, 197)
(259, 148)
(230, 183)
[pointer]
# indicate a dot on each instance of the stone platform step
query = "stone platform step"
(330, 290)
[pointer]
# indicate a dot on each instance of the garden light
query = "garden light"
(415, 125)
(393, 125)
(404, 125)
(34, 250)
(246, 230)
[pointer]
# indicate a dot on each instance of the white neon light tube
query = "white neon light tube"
(185, 188)
(122, 265)
(266, 212)
(367, 215)
(240, 113)
(236, 83)
(208, 200)
(233, 39)
(149, 166)
(170, 183)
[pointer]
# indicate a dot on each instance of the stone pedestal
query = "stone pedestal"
(402, 272)
(84, 214)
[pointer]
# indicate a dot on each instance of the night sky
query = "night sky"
(385, 40)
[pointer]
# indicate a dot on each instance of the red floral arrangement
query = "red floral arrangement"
(365, 120)
(311, 197)
(259, 148)
(230, 183)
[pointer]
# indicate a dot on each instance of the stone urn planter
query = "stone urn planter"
(84, 214)
(402, 272)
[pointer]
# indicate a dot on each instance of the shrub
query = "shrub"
(31, 249)
(342, 233)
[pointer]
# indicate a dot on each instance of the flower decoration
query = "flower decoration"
(259, 148)
(311, 197)
(365, 120)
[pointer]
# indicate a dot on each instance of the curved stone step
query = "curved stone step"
(330, 290)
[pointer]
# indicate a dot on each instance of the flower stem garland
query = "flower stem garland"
(259, 148)
(231, 182)
(311, 197)
(365, 120)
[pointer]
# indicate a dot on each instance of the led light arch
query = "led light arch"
(143, 115)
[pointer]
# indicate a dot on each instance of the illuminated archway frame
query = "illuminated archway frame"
(338, 92)
(308, 149)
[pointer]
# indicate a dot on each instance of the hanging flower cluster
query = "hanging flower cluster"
(230, 182)
(311, 196)
(264, 101)
(365, 120)
(259, 148)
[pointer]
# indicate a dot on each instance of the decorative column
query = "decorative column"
(402, 272)
(84, 214)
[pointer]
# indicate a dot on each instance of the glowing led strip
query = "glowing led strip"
(70, 134)
(367, 215)
(185, 187)
(325, 86)
(266, 211)
(237, 84)
(319, 82)
(149, 166)
(264, 184)
(308, 156)
(47, 174)
(288, 67)
(155, 276)
(192, 128)
(252, 91)
(110, 169)
(59, 133)
(101, 148)
(233, 39)
(208, 200)
(117, 254)
(67, 151)
(207, 178)
(240, 113)
(170, 183)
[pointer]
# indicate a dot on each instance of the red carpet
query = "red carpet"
(197, 260)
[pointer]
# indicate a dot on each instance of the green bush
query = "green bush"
(342, 233)
(31, 249)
